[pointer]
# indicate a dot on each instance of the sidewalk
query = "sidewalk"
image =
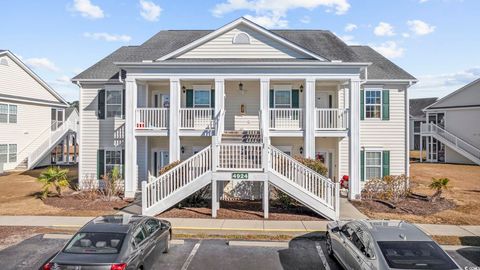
(230, 226)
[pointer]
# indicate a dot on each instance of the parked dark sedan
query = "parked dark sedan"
(117, 242)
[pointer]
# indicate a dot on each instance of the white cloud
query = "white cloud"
(107, 37)
(350, 27)
(41, 63)
(274, 12)
(150, 11)
(305, 19)
(384, 29)
(440, 85)
(420, 28)
(87, 9)
(65, 80)
(405, 35)
(389, 49)
(349, 39)
(423, 1)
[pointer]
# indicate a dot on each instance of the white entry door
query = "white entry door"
(324, 100)
(160, 100)
(159, 160)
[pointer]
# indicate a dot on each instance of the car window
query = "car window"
(95, 242)
(139, 236)
(415, 255)
(152, 225)
(347, 230)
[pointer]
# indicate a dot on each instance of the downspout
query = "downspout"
(407, 137)
(79, 139)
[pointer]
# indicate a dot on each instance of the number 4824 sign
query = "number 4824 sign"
(239, 176)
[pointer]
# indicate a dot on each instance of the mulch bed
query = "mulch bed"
(244, 209)
(77, 202)
(407, 206)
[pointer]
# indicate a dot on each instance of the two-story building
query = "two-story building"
(237, 103)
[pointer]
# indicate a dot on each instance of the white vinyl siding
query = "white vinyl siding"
(260, 46)
(8, 113)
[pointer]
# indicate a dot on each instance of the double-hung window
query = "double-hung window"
(283, 99)
(8, 113)
(373, 165)
(373, 104)
(113, 103)
(8, 153)
(113, 158)
(201, 98)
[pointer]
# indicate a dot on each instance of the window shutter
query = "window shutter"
(123, 163)
(386, 163)
(123, 103)
(189, 97)
(295, 99)
(271, 98)
(100, 163)
(362, 104)
(385, 105)
(362, 165)
(101, 104)
(212, 98)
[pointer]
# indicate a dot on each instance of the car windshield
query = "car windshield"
(415, 255)
(95, 243)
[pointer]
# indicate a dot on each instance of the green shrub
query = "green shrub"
(53, 177)
(313, 164)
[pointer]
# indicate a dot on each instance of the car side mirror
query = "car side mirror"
(335, 229)
(163, 226)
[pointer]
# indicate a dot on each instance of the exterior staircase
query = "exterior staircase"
(233, 154)
(449, 139)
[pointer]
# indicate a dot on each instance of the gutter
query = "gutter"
(243, 64)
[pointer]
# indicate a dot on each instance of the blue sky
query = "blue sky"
(435, 40)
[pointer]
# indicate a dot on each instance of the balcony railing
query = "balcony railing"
(151, 118)
(331, 119)
(197, 118)
(286, 119)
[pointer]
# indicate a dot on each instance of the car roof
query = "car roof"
(112, 223)
(393, 230)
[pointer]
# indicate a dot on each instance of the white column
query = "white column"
(354, 140)
(130, 161)
(173, 134)
(265, 105)
(67, 143)
(265, 199)
(219, 103)
(214, 198)
(309, 125)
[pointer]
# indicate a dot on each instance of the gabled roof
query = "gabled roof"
(12, 56)
(418, 104)
(471, 102)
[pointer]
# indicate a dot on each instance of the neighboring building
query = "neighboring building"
(452, 133)
(234, 104)
(418, 116)
(32, 118)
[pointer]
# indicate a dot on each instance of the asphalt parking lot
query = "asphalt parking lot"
(306, 252)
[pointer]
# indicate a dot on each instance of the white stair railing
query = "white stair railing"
(431, 128)
(286, 119)
(151, 118)
(239, 157)
(196, 118)
(331, 119)
(322, 187)
(70, 125)
(166, 184)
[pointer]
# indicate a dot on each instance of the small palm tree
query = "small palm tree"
(439, 185)
(53, 177)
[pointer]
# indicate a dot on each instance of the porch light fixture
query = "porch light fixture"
(240, 87)
(301, 87)
(184, 89)
(182, 149)
(301, 150)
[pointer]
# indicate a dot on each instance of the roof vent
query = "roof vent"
(241, 38)
(4, 62)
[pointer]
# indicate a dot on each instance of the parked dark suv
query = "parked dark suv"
(116, 242)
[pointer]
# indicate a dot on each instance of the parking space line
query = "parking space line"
(190, 256)
(322, 256)
(276, 244)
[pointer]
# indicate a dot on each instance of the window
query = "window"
(113, 158)
(114, 103)
(373, 165)
(201, 98)
(152, 226)
(241, 38)
(8, 113)
(283, 99)
(8, 153)
(139, 236)
(373, 104)
(95, 243)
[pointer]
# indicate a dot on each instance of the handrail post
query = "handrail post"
(144, 197)
(337, 201)
(214, 153)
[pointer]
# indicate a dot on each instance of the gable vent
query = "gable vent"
(4, 62)
(241, 38)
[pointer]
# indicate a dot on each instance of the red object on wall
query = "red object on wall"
(344, 181)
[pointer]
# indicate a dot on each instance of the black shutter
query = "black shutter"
(101, 104)
(271, 97)
(295, 99)
(123, 103)
(189, 97)
(212, 98)
(123, 163)
(100, 163)
(385, 105)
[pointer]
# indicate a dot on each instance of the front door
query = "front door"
(159, 160)
(160, 100)
(57, 118)
(324, 100)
